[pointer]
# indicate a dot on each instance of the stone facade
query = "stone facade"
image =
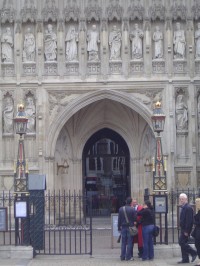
(80, 66)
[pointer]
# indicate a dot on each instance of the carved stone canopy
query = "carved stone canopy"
(71, 11)
(29, 12)
(50, 12)
(7, 12)
(178, 11)
(136, 11)
(157, 11)
(93, 11)
(115, 11)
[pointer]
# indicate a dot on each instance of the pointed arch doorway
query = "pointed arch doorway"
(106, 168)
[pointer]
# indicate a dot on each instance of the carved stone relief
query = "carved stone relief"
(93, 11)
(183, 179)
(114, 11)
(30, 110)
(71, 11)
(157, 10)
(8, 13)
(8, 114)
(29, 12)
(50, 11)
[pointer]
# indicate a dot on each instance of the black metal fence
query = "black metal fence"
(61, 223)
(56, 223)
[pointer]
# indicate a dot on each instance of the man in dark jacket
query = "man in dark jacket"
(186, 223)
(123, 227)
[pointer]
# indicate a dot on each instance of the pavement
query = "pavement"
(106, 252)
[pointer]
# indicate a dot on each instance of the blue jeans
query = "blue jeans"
(126, 244)
(148, 250)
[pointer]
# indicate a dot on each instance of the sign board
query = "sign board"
(160, 203)
(21, 210)
(114, 228)
(3, 219)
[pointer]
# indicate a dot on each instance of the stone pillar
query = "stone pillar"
(191, 48)
(125, 48)
(61, 49)
(17, 51)
(104, 49)
(40, 50)
(147, 51)
(82, 49)
(169, 48)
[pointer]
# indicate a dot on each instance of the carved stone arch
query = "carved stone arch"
(8, 13)
(85, 100)
(50, 12)
(98, 127)
(71, 11)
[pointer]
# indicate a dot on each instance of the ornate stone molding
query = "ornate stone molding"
(7, 12)
(114, 11)
(196, 10)
(136, 11)
(71, 11)
(157, 11)
(50, 12)
(29, 12)
(178, 11)
(93, 11)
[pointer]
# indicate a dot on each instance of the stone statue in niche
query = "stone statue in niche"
(8, 113)
(92, 44)
(50, 44)
(7, 46)
(30, 113)
(179, 42)
(158, 43)
(29, 47)
(136, 38)
(115, 39)
(71, 44)
(181, 113)
(197, 41)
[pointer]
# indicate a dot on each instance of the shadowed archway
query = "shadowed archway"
(106, 171)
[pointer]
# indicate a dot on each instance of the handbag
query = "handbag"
(132, 229)
(193, 233)
(156, 231)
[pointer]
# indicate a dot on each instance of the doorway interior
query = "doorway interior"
(106, 171)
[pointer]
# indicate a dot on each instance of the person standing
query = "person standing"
(29, 47)
(197, 234)
(50, 44)
(136, 37)
(181, 113)
(7, 46)
(8, 114)
(71, 44)
(92, 46)
(138, 238)
(179, 42)
(148, 220)
(115, 39)
(158, 42)
(123, 227)
(186, 223)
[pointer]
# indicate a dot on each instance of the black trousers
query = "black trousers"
(197, 240)
(186, 249)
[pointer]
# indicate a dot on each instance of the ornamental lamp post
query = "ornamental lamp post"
(21, 206)
(159, 166)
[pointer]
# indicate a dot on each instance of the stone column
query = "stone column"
(82, 49)
(104, 49)
(125, 48)
(147, 51)
(40, 50)
(61, 49)
(169, 47)
(191, 48)
(17, 51)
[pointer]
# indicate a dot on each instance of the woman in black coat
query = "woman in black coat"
(197, 234)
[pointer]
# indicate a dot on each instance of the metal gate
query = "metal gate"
(57, 223)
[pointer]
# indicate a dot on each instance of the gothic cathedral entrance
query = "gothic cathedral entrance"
(106, 168)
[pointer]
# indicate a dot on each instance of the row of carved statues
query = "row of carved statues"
(181, 111)
(93, 41)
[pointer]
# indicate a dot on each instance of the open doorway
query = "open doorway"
(106, 168)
